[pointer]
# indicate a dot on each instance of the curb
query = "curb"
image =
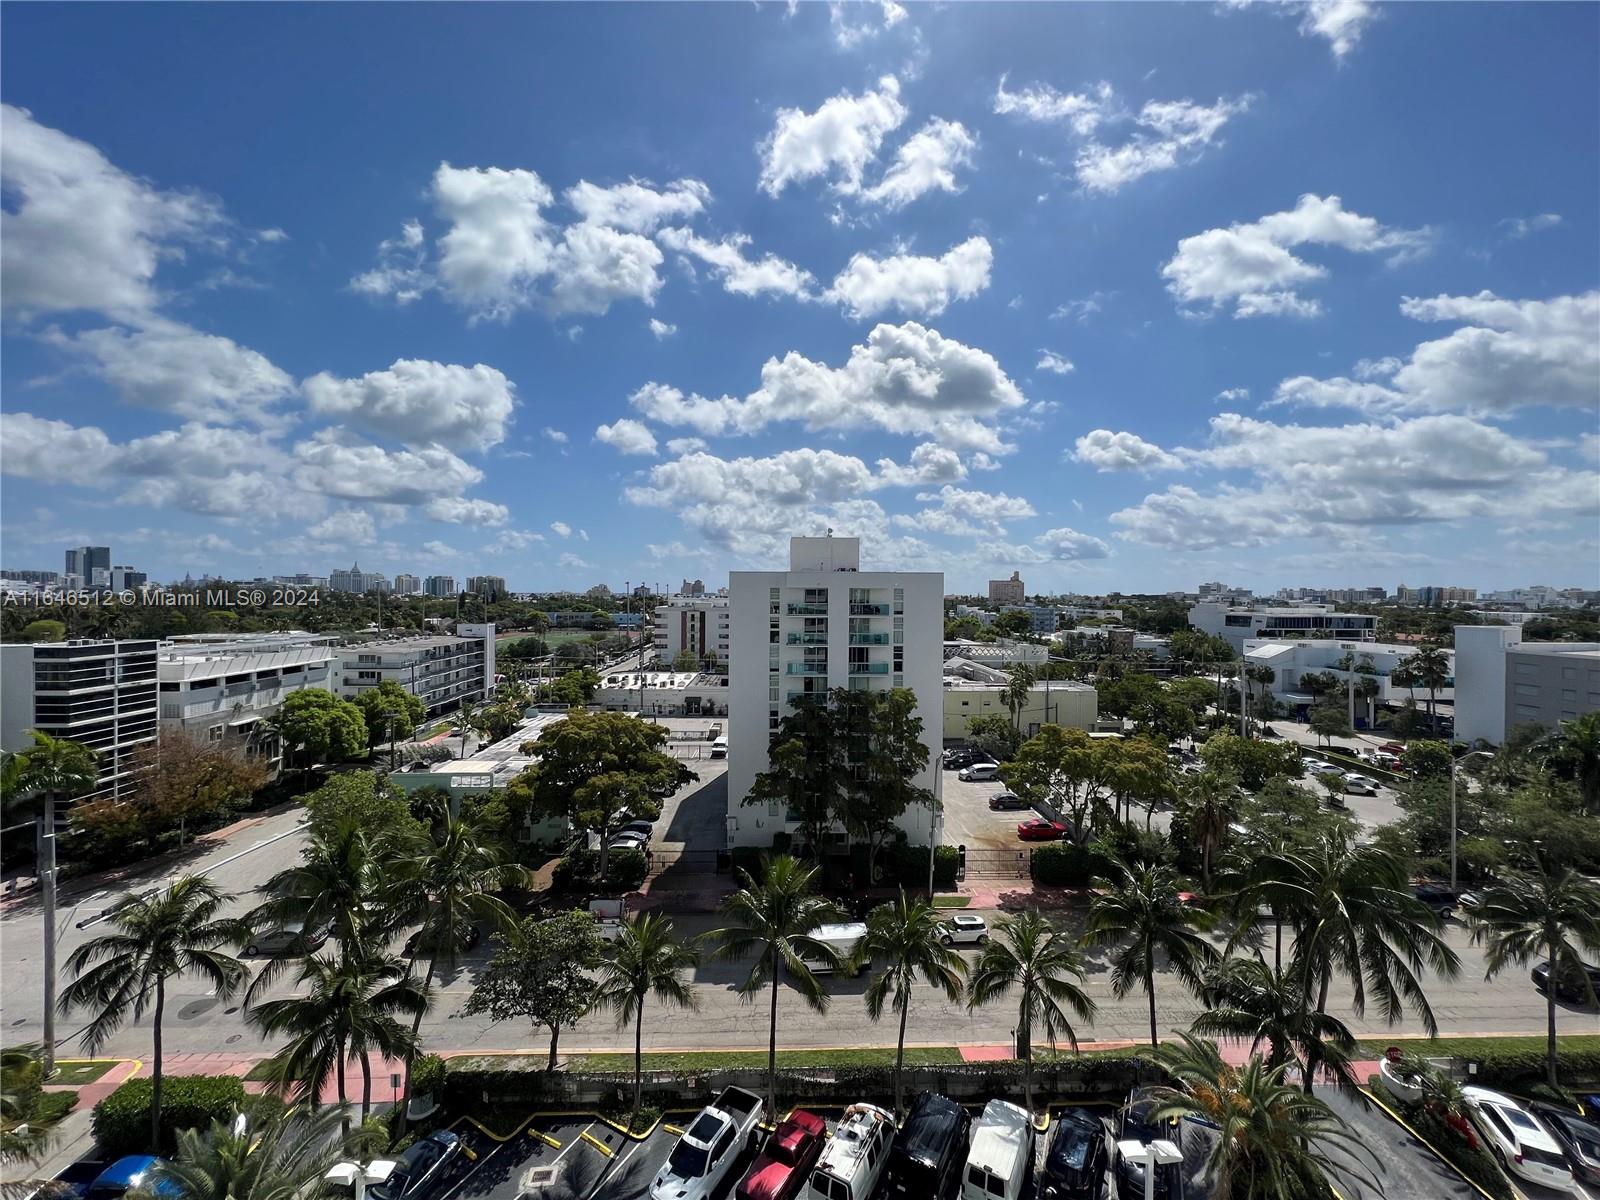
(1432, 1149)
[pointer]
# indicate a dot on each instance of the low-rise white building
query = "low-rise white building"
(1289, 660)
(1000, 653)
(1503, 682)
(217, 689)
(446, 671)
(976, 690)
(664, 693)
(1239, 624)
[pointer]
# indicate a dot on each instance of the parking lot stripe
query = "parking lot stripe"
(597, 1144)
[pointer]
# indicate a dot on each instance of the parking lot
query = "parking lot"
(968, 820)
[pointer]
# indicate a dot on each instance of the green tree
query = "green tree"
(1430, 667)
(805, 773)
(123, 974)
(1141, 916)
(1197, 695)
(44, 631)
(541, 973)
(596, 769)
(908, 936)
(27, 1123)
(1210, 804)
(1328, 721)
(686, 660)
(1066, 769)
(364, 799)
(1142, 773)
(776, 921)
(885, 753)
(276, 1154)
(314, 724)
(1249, 1000)
(1572, 751)
(575, 688)
(1250, 761)
(1013, 624)
(352, 1003)
(1428, 759)
(645, 959)
(389, 710)
(1041, 964)
(1017, 692)
(1274, 1141)
(1551, 914)
(993, 735)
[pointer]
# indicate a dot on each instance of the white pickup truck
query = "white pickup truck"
(710, 1145)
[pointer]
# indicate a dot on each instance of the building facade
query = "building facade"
(490, 587)
(1237, 624)
(1000, 653)
(701, 625)
(824, 624)
(446, 671)
(218, 689)
(99, 693)
(1042, 618)
(1290, 660)
(1503, 682)
(407, 585)
(975, 690)
(1008, 591)
(84, 561)
(440, 586)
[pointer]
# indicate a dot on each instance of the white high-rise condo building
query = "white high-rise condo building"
(699, 624)
(442, 586)
(407, 585)
(824, 624)
(446, 671)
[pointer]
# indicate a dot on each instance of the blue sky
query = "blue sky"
(1122, 296)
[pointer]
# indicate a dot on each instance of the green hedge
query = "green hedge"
(579, 871)
(121, 1121)
(1505, 1065)
(1066, 864)
(427, 1075)
(908, 865)
(1475, 1164)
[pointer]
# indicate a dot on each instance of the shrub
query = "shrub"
(579, 871)
(908, 865)
(1472, 1161)
(121, 1121)
(1519, 1067)
(427, 1075)
(1067, 864)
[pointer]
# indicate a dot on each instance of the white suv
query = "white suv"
(1523, 1146)
(967, 928)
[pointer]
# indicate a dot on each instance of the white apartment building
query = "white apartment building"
(700, 624)
(407, 585)
(1290, 660)
(446, 671)
(216, 689)
(1503, 682)
(664, 693)
(1239, 624)
(99, 693)
(824, 624)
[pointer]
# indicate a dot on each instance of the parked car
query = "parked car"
(291, 937)
(1362, 785)
(645, 829)
(1138, 1125)
(1001, 1153)
(1317, 766)
(855, 1157)
(418, 1168)
(1075, 1164)
(983, 772)
(965, 929)
(719, 748)
(1006, 801)
(779, 1171)
(1569, 984)
(955, 759)
(1398, 749)
(630, 839)
(1578, 1137)
(1438, 897)
(1041, 829)
(711, 1143)
(1522, 1145)
(843, 937)
(130, 1174)
(928, 1150)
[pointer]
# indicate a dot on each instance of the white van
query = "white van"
(842, 938)
(1000, 1155)
(853, 1161)
(719, 748)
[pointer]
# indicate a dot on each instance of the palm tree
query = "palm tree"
(446, 880)
(1043, 965)
(1266, 677)
(1274, 1140)
(1142, 917)
(908, 936)
(1016, 693)
(777, 920)
(646, 959)
(1212, 804)
(154, 938)
(1430, 667)
(1553, 914)
(269, 1155)
(54, 769)
(1245, 998)
(352, 1005)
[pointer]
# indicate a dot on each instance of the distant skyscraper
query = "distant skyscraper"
(442, 586)
(407, 585)
(84, 560)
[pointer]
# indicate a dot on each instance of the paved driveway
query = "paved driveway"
(1410, 1171)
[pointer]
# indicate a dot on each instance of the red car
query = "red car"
(786, 1160)
(1040, 830)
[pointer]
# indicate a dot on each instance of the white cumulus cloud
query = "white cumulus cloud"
(1107, 451)
(913, 284)
(836, 141)
(627, 436)
(418, 401)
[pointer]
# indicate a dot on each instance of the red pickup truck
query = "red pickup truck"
(785, 1161)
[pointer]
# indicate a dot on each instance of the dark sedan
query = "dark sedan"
(1570, 984)
(1578, 1137)
(419, 1168)
(1138, 1125)
(1004, 801)
(1075, 1166)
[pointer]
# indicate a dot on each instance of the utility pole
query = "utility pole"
(47, 898)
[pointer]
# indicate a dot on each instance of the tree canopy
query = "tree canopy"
(387, 702)
(318, 724)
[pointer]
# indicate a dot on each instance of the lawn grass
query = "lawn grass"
(1476, 1047)
(556, 637)
(81, 1070)
(692, 1061)
(951, 901)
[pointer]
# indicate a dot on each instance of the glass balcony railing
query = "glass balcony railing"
(869, 668)
(807, 610)
(808, 697)
(808, 639)
(869, 639)
(869, 610)
(805, 668)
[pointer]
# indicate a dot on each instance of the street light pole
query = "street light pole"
(47, 898)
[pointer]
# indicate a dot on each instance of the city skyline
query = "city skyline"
(1124, 297)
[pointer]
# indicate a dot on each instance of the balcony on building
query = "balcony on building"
(869, 668)
(808, 609)
(805, 668)
(873, 609)
(807, 639)
(869, 639)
